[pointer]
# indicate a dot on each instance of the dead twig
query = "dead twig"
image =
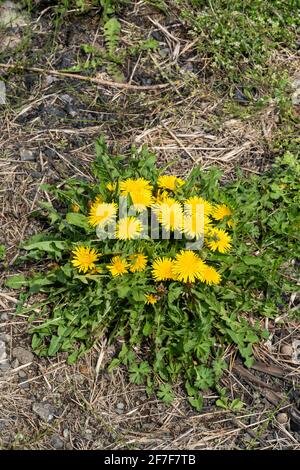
(97, 81)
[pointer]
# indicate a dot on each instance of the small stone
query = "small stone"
(164, 52)
(3, 354)
(4, 366)
(22, 355)
(27, 155)
(36, 174)
(50, 153)
(157, 36)
(25, 385)
(286, 350)
(120, 406)
(15, 363)
(66, 98)
(282, 418)
(188, 67)
(5, 337)
(4, 317)
(44, 410)
(49, 79)
(296, 84)
(296, 97)
(66, 433)
(10, 15)
(71, 111)
(22, 374)
(56, 442)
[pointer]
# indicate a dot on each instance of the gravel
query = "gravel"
(23, 355)
(57, 442)
(27, 155)
(44, 410)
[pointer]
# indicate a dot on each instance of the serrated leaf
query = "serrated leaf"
(16, 282)
(78, 220)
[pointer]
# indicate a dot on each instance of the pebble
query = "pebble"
(22, 374)
(286, 349)
(36, 174)
(188, 67)
(25, 386)
(282, 418)
(296, 84)
(120, 406)
(10, 15)
(27, 155)
(66, 98)
(49, 79)
(22, 355)
(5, 337)
(3, 355)
(50, 153)
(66, 433)
(44, 410)
(15, 364)
(164, 52)
(4, 317)
(296, 97)
(5, 365)
(157, 35)
(57, 442)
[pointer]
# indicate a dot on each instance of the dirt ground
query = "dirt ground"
(48, 129)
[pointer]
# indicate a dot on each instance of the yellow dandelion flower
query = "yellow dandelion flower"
(75, 208)
(219, 240)
(197, 203)
(141, 199)
(196, 225)
(210, 275)
(150, 299)
(162, 269)
(230, 223)
(170, 182)
(128, 228)
(140, 192)
(138, 262)
(188, 266)
(111, 186)
(118, 266)
(96, 270)
(161, 196)
(170, 214)
(102, 213)
(221, 211)
(84, 258)
(131, 185)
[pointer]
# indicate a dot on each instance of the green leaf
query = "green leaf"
(165, 393)
(138, 372)
(2, 252)
(49, 246)
(204, 377)
(16, 282)
(196, 402)
(54, 345)
(78, 220)
(147, 330)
